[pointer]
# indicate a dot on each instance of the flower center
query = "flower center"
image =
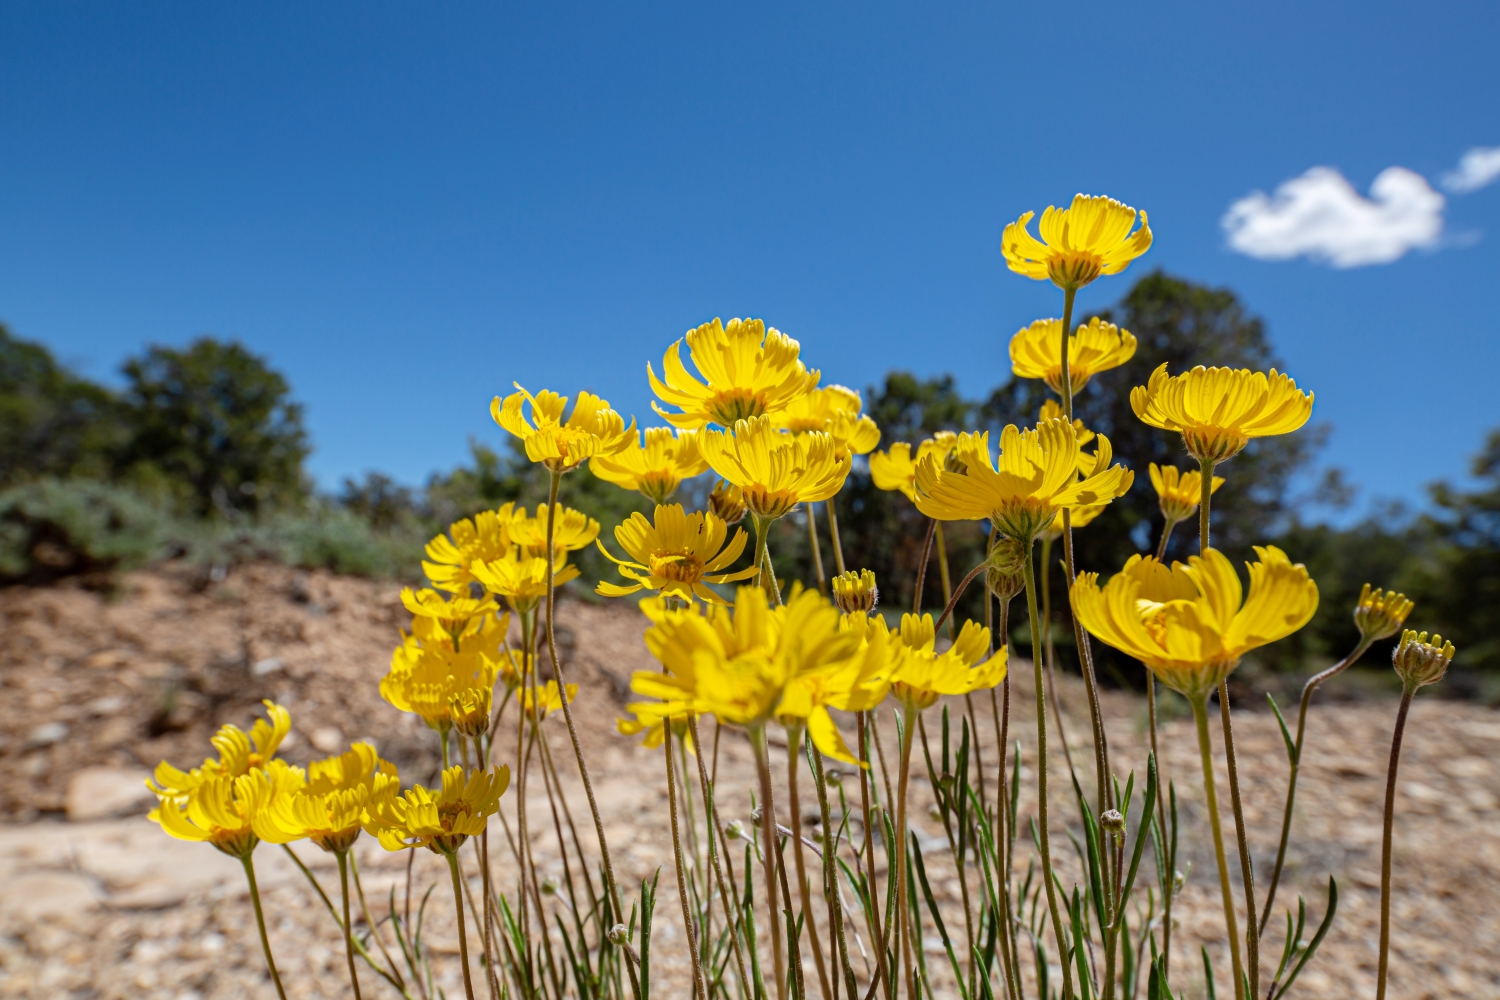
(736, 404)
(679, 567)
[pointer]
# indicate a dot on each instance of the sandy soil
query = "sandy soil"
(96, 902)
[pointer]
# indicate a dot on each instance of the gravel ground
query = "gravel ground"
(96, 902)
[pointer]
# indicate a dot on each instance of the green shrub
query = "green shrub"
(53, 528)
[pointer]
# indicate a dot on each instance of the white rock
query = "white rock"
(106, 792)
(269, 665)
(327, 739)
(47, 734)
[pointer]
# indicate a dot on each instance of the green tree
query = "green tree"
(214, 425)
(52, 423)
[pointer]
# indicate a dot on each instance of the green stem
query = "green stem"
(1168, 877)
(1205, 751)
(903, 921)
(1049, 658)
(1166, 535)
(343, 858)
(942, 550)
(557, 668)
(768, 843)
(817, 552)
(804, 888)
(443, 742)
(1065, 381)
(916, 603)
(833, 529)
(1407, 691)
(763, 558)
(1308, 689)
(711, 823)
(1207, 467)
(260, 922)
(877, 931)
(1044, 837)
(1247, 870)
(458, 906)
(687, 908)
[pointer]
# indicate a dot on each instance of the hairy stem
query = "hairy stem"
(687, 909)
(343, 859)
(768, 842)
(260, 922)
(1205, 751)
(1247, 871)
(1407, 691)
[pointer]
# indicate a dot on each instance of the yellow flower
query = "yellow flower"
(522, 580)
(591, 429)
(1037, 476)
(1097, 346)
(330, 809)
(855, 593)
(1187, 623)
(727, 502)
(967, 665)
(571, 530)
(679, 554)
(749, 371)
(440, 822)
(1178, 492)
(231, 812)
(655, 728)
(239, 754)
(897, 469)
(735, 663)
(486, 536)
(1079, 243)
(655, 469)
(834, 410)
(1081, 517)
(776, 471)
(454, 615)
(1419, 662)
(539, 704)
(426, 676)
(1218, 410)
(853, 685)
(1379, 614)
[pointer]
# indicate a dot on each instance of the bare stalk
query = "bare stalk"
(768, 840)
(1247, 872)
(687, 909)
(458, 906)
(260, 922)
(1407, 691)
(1205, 751)
(833, 529)
(343, 859)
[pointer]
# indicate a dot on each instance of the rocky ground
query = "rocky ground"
(97, 902)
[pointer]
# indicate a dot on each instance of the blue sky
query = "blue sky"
(407, 207)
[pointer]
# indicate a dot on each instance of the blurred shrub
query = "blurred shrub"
(53, 528)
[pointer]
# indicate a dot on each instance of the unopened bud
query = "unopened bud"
(1380, 614)
(1419, 662)
(550, 885)
(855, 592)
(735, 830)
(935, 814)
(1112, 822)
(1006, 567)
(618, 935)
(727, 503)
(946, 782)
(832, 777)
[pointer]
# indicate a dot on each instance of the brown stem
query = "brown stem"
(877, 934)
(954, 596)
(1247, 870)
(343, 859)
(687, 909)
(903, 920)
(1166, 535)
(916, 601)
(1168, 877)
(768, 842)
(833, 529)
(1407, 691)
(948, 599)
(712, 817)
(804, 890)
(817, 551)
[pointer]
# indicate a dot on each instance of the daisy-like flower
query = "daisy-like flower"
(571, 530)
(1419, 662)
(654, 469)
(655, 730)
(239, 754)
(964, 667)
(1038, 475)
(835, 410)
(896, 469)
(522, 580)
(679, 554)
(232, 812)
(537, 704)
(776, 471)
(853, 685)
(735, 663)
(1380, 614)
(855, 592)
(1178, 492)
(439, 821)
(1089, 238)
(727, 502)
(329, 809)
(1080, 517)
(427, 673)
(1187, 623)
(1096, 346)
(748, 371)
(484, 536)
(453, 614)
(562, 445)
(1218, 410)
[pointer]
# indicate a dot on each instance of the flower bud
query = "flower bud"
(618, 935)
(935, 814)
(945, 782)
(550, 885)
(1005, 570)
(855, 592)
(1419, 662)
(1112, 822)
(1380, 613)
(833, 777)
(735, 830)
(727, 503)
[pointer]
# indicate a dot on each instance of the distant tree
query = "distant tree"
(215, 424)
(52, 423)
(380, 501)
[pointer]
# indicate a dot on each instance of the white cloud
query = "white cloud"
(1320, 215)
(1477, 168)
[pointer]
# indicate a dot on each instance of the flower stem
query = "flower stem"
(916, 601)
(865, 786)
(768, 838)
(817, 552)
(1044, 838)
(942, 551)
(1308, 690)
(687, 909)
(711, 818)
(1166, 535)
(343, 858)
(1247, 870)
(260, 922)
(458, 906)
(1205, 751)
(804, 889)
(1407, 691)
(767, 577)
(903, 925)
(1169, 876)
(1207, 465)
(583, 770)
(1047, 648)
(833, 529)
